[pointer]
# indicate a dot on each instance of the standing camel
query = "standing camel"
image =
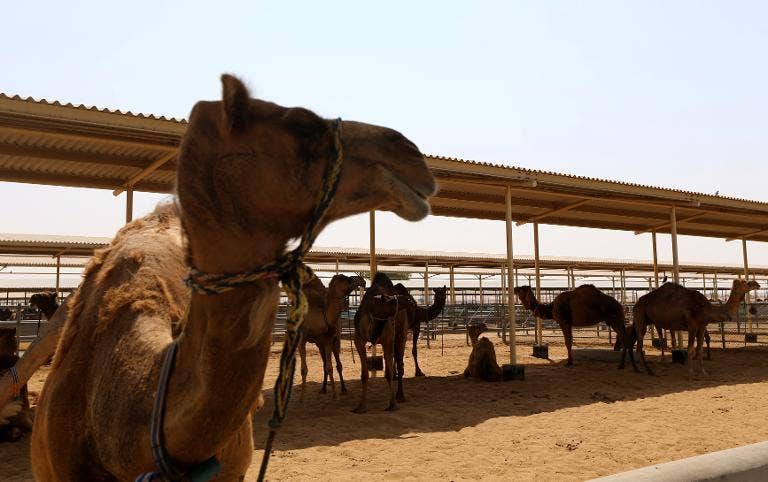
(583, 306)
(321, 325)
(249, 173)
(382, 319)
(675, 307)
(421, 314)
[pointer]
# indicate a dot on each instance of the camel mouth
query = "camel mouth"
(411, 197)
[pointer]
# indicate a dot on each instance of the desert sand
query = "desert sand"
(560, 423)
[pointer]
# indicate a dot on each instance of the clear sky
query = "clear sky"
(655, 92)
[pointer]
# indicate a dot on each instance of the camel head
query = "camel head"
(440, 293)
(5, 314)
(341, 286)
(744, 286)
(44, 300)
(249, 168)
(526, 296)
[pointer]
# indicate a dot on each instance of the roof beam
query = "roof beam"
(71, 180)
(748, 235)
(75, 156)
(552, 212)
(105, 139)
(666, 225)
(145, 172)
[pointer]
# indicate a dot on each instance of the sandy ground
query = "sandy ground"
(559, 424)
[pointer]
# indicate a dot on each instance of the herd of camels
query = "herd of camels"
(247, 179)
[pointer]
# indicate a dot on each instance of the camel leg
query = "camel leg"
(328, 362)
(691, 349)
(623, 340)
(415, 353)
(389, 373)
(321, 349)
(339, 368)
(700, 335)
(568, 335)
(400, 365)
(640, 335)
(362, 407)
(662, 339)
(304, 370)
(707, 338)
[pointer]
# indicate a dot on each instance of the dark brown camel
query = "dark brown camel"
(5, 314)
(321, 324)
(420, 314)
(583, 306)
(15, 416)
(675, 307)
(482, 360)
(45, 302)
(382, 318)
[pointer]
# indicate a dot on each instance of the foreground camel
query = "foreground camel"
(675, 307)
(45, 302)
(420, 314)
(482, 360)
(15, 414)
(248, 179)
(382, 319)
(321, 325)
(583, 306)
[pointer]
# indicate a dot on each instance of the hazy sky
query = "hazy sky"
(662, 93)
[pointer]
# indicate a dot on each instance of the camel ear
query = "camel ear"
(236, 99)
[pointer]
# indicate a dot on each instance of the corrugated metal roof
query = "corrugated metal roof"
(42, 261)
(50, 143)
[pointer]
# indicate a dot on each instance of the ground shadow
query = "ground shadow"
(456, 402)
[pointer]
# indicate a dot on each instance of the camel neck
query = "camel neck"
(734, 300)
(435, 308)
(217, 380)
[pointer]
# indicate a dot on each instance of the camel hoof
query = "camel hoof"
(360, 409)
(569, 364)
(392, 408)
(323, 390)
(401, 399)
(343, 390)
(420, 374)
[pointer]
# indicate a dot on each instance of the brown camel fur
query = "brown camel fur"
(248, 176)
(421, 314)
(482, 360)
(321, 325)
(675, 307)
(382, 318)
(5, 314)
(583, 306)
(45, 302)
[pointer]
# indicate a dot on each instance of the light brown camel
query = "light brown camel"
(675, 307)
(248, 177)
(583, 306)
(45, 302)
(421, 314)
(482, 360)
(382, 319)
(321, 325)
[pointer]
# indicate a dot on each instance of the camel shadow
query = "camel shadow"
(451, 402)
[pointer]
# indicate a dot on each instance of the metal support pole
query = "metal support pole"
(675, 260)
(510, 281)
(538, 278)
(480, 279)
(129, 205)
(58, 276)
(453, 286)
(372, 240)
(426, 300)
(655, 260)
(337, 265)
(747, 297)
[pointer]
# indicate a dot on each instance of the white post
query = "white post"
(655, 260)
(510, 281)
(538, 279)
(675, 260)
(747, 297)
(128, 205)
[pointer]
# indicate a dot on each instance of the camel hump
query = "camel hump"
(382, 279)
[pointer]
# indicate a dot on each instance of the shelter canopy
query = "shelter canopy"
(49, 143)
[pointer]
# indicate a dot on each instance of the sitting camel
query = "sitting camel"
(583, 306)
(482, 361)
(45, 302)
(382, 318)
(675, 307)
(249, 176)
(15, 414)
(321, 325)
(420, 314)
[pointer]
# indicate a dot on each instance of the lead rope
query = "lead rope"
(293, 274)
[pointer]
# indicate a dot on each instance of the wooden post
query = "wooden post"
(426, 300)
(537, 270)
(510, 282)
(337, 265)
(675, 260)
(480, 279)
(715, 294)
(372, 241)
(453, 286)
(501, 305)
(655, 260)
(129, 205)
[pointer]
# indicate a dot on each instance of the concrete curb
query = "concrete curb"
(741, 464)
